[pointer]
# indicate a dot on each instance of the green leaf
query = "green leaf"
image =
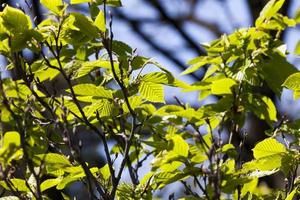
(249, 187)
(15, 21)
(11, 138)
(275, 71)
(292, 194)
(196, 63)
(68, 180)
(116, 3)
(164, 178)
(92, 90)
(296, 95)
(297, 49)
(222, 86)
(263, 166)
(10, 198)
(18, 184)
(293, 82)
(56, 6)
(77, 175)
(71, 106)
(268, 147)
(47, 73)
(153, 92)
(134, 101)
(25, 39)
(80, 1)
(52, 161)
(104, 171)
(100, 21)
(271, 109)
(84, 24)
(10, 147)
(269, 11)
(87, 67)
(297, 16)
(156, 77)
(49, 183)
(104, 107)
(263, 107)
(180, 146)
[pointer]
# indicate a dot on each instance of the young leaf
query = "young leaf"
(134, 101)
(54, 160)
(10, 198)
(116, 3)
(268, 147)
(10, 147)
(275, 71)
(56, 6)
(152, 92)
(100, 21)
(269, 11)
(80, 1)
(84, 24)
(293, 82)
(104, 171)
(14, 20)
(88, 66)
(156, 77)
(104, 107)
(180, 146)
(222, 86)
(92, 90)
(17, 184)
(196, 63)
(297, 49)
(49, 183)
(292, 194)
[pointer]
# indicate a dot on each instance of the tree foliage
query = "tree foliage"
(106, 92)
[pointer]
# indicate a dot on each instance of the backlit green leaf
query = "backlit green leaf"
(297, 49)
(10, 198)
(14, 20)
(269, 11)
(105, 172)
(134, 101)
(84, 24)
(10, 148)
(17, 184)
(80, 1)
(292, 194)
(196, 63)
(104, 107)
(180, 146)
(156, 77)
(100, 21)
(116, 3)
(275, 71)
(49, 183)
(56, 6)
(249, 187)
(293, 82)
(92, 90)
(268, 147)
(87, 67)
(153, 92)
(223, 86)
